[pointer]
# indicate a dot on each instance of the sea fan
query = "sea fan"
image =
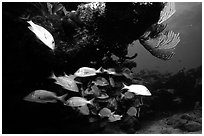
(167, 12)
(160, 44)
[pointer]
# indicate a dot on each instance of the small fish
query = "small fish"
(92, 119)
(178, 100)
(127, 95)
(114, 118)
(78, 101)
(103, 96)
(84, 110)
(105, 112)
(86, 72)
(88, 91)
(110, 71)
(137, 89)
(42, 34)
(138, 102)
(172, 91)
(127, 73)
(43, 96)
(67, 82)
(138, 112)
(96, 91)
(101, 82)
(112, 82)
(132, 111)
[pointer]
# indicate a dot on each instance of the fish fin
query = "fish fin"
(65, 75)
(62, 98)
(78, 82)
(52, 76)
(30, 22)
(31, 28)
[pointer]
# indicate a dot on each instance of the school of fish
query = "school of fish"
(99, 89)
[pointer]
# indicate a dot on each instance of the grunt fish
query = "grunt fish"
(67, 82)
(114, 118)
(127, 95)
(137, 89)
(101, 82)
(78, 101)
(112, 82)
(132, 111)
(105, 112)
(103, 96)
(84, 110)
(86, 72)
(43, 96)
(42, 34)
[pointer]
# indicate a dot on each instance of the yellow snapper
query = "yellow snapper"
(127, 73)
(67, 82)
(84, 110)
(43, 96)
(78, 101)
(105, 112)
(137, 89)
(103, 96)
(114, 118)
(132, 111)
(42, 34)
(96, 91)
(101, 82)
(127, 95)
(86, 72)
(112, 82)
(110, 71)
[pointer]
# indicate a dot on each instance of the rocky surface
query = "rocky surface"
(179, 123)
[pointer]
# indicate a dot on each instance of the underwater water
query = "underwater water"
(174, 107)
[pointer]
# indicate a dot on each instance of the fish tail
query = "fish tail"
(99, 70)
(62, 98)
(91, 101)
(125, 86)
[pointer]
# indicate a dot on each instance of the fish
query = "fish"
(44, 96)
(86, 72)
(92, 119)
(138, 113)
(114, 118)
(112, 82)
(96, 91)
(84, 110)
(78, 101)
(137, 89)
(138, 102)
(67, 82)
(42, 34)
(110, 71)
(103, 96)
(127, 95)
(132, 111)
(105, 112)
(101, 82)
